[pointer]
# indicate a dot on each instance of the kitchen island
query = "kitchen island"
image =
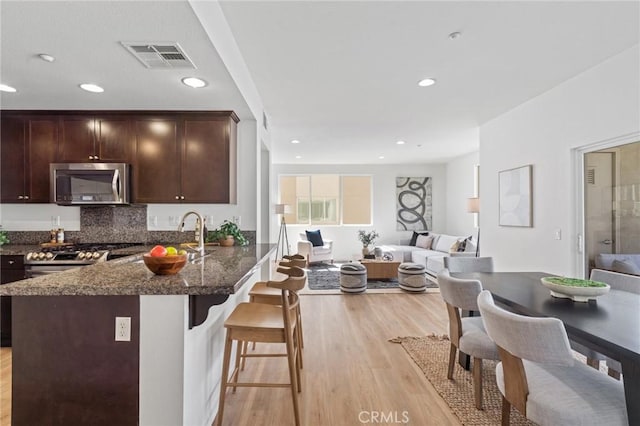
(68, 367)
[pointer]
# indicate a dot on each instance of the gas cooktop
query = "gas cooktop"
(79, 253)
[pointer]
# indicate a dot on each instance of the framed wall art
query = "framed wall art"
(413, 202)
(515, 197)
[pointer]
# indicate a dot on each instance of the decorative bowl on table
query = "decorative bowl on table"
(165, 265)
(576, 289)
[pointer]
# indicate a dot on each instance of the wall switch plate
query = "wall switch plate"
(153, 221)
(123, 329)
(558, 234)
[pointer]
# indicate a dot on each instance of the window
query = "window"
(327, 199)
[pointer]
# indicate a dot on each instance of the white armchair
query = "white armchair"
(315, 254)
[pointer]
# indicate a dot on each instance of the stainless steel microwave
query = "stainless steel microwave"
(89, 183)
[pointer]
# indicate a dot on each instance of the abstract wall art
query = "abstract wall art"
(515, 189)
(413, 201)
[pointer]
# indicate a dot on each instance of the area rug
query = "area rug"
(431, 354)
(322, 276)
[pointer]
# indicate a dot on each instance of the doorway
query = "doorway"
(611, 191)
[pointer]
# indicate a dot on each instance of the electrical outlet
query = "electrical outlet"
(153, 221)
(123, 329)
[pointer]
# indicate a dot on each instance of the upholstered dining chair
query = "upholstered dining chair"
(468, 264)
(259, 322)
(539, 376)
(466, 334)
(618, 281)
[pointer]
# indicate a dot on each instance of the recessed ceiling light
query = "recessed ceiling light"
(426, 82)
(5, 88)
(298, 157)
(47, 58)
(90, 87)
(194, 82)
(400, 143)
(381, 157)
(295, 141)
(454, 35)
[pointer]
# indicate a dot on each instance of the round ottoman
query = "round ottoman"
(353, 278)
(411, 277)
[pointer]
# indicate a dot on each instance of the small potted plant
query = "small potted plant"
(367, 238)
(227, 234)
(3, 238)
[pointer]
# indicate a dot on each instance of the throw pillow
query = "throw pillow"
(462, 244)
(415, 236)
(315, 238)
(625, 267)
(424, 241)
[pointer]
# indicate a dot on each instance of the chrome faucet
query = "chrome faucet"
(199, 229)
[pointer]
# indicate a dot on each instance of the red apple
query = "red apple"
(158, 251)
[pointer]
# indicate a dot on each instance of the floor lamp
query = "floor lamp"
(473, 206)
(283, 239)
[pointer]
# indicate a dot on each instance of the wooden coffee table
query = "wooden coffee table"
(380, 269)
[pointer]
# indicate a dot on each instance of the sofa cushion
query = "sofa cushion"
(415, 236)
(321, 250)
(400, 253)
(420, 256)
(625, 267)
(314, 238)
(444, 243)
(435, 264)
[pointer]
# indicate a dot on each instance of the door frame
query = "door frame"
(578, 188)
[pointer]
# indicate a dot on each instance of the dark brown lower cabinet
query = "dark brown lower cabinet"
(67, 367)
(12, 269)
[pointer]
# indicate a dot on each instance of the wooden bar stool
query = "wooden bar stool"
(262, 293)
(258, 322)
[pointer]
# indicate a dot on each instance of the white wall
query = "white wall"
(38, 217)
(346, 244)
(599, 104)
(459, 189)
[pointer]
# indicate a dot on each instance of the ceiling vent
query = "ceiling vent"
(159, 55)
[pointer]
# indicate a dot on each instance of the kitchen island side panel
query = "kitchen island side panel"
(181, 367)
(67, 366)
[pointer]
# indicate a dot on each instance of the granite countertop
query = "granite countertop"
(19, 249)
(223, 270)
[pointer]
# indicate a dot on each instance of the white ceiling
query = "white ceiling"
(339, 76)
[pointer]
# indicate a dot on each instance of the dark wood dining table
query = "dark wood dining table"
(609, 325)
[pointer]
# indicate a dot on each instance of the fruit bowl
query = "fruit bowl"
(575, 289)
(165, 265)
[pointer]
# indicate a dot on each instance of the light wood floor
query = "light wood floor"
(350, 370)
(5, 386)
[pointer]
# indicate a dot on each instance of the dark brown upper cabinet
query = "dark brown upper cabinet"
(176, 156)
(186, 158)
(106, 139)
(156, 173)
(28, 145)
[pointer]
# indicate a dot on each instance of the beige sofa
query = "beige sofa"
(432, 259)
(623, 263)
